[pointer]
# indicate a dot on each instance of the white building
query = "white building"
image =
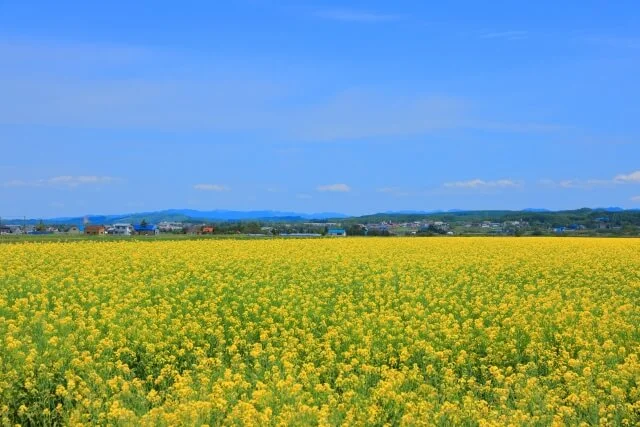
(121, 229)
(11, 229)
(169, 227)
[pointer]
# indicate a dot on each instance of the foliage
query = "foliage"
(587, 217)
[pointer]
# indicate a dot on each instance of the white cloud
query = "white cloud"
(635, 199)
(338, 188)
(480, 183)
(70, 181)
(74, 181)
(346, 15)
(303, 196)
(633, 177)
(577, 183)
(211, 187)
(570, 183)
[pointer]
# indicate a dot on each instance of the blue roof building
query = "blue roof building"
(337, 232)
(148, 230)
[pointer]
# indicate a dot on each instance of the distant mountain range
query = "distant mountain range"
(191, 215)
(175, 215)
(412, 212)
(228, 215)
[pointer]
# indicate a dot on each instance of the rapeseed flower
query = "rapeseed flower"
(486, 331)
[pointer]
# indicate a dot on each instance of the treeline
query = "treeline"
(267, 228)
(586, 217)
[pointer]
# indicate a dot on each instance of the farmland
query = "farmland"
(365, 331)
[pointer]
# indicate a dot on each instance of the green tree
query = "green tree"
(355, 230)
(252, 228)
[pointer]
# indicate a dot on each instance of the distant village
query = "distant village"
(306, 229)
(424, 227)
(146, 229)
(117, 229)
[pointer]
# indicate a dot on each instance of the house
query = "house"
(170, 227)
(71, 230)
(10, 229)
(207, 229)
(200, 229)
(35, 231)
(94, 230)
(121, 229)
(146, 229)
(337, 232)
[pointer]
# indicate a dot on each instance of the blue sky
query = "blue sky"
(311, 106)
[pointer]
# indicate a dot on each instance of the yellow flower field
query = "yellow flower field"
(399, 331)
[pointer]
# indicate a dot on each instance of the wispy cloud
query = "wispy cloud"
(74, 181)
(506, 35)
(635, 199)
(348, 15)
(211, 187)
(303, 196)
(630, 178)
(576, 183)
(482, 184)
(229, 99)
(337, 188)
(633, 177)
(68, 181)
(357, 113)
